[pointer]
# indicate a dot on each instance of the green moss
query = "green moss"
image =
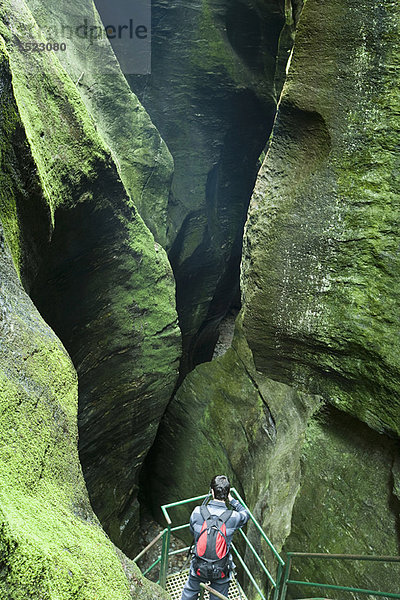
(144, 162)
(124, 338)
(346, 504)
(65, 156)
(52, 546)
(9, 122)
(213, 53)
(227, 418)
(216, 51)
(320, 266)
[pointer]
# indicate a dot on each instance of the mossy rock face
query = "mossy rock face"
(321, 267)
(52, 546)
(144, 162)
(21, 196)
(212, 95)
(320, 317)
(227, 418)
(346, 505)
(105, 286)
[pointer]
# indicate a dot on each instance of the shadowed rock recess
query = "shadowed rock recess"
(212, 94)
(303, 411)
(93, 269)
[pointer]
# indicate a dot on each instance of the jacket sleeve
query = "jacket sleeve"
(194, 518)
(243, 513)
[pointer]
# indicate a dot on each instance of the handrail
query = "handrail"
(179, 503)
(246, 570)
(287, 581)
(283, 579)
(345, 556)
(149, 545)
(260, 530)
(165, 507)
(156, 562)
(260, 562)
(180, 527)
(281, 563)
(343, 588)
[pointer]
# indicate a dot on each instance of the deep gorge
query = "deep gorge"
(254, 175)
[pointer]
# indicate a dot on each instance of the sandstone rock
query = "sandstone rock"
(51, 544)
(320, 269)
(228, 418)
(105, 285)
(142, 157)
(320, 314)
(212, 95)
(346, 504)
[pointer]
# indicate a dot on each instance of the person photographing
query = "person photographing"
(213, 526)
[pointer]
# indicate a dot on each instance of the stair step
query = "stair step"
(176, 582)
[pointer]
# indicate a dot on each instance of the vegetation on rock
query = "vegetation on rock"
(96, 274)
(319, 321)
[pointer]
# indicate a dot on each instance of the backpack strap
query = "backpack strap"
(205, 513)
(226, 515)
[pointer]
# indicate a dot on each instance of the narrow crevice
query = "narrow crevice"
(206, 250)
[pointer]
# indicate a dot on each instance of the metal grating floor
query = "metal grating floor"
(176, 582)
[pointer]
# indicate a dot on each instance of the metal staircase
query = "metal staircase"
(277, 577)
(176, 581)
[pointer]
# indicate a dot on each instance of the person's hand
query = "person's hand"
(230, 497)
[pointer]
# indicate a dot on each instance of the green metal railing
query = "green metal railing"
(165, 537)
(281, 581)
(287, 581)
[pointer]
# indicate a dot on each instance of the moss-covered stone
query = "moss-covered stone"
(320, 274)
(319, 324)
(21, 197)
(105, 285)
(144, 162)
(346, 486)
(228, 418)
(212, 95)
(51, 544)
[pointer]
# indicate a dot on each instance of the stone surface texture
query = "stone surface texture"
(97, 276)
(317, 336)
(212, 94)
(142, 157)
(52, 545)
(320, 267)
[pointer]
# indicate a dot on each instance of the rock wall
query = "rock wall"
(317, 334)
(141, 155)
(51, 544)
(212, 94)
(302, 411)
(320, 269)
(347, 503)
(227, 417)
(97, 275)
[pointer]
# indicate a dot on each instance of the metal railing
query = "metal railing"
(281, 581)
(287, 581)
(165, 537)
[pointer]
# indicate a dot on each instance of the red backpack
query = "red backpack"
(211, 556)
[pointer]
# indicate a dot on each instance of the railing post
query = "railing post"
(164, 556)
(278, 581)
(286, 577)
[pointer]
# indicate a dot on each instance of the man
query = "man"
(220, 490)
